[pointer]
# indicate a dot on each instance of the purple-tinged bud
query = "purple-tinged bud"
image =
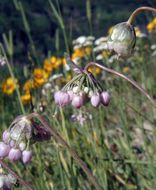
(4, 149)
(95, 100)
(14, 154)
(71, 94)
(6, 136)
(78, 101)
(105, 98)
(12, 143)
(57, 96)
(26, 156)
(62, 98)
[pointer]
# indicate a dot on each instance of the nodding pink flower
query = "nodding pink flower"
(57, 96)
(95, 100)
(78, 101)
(14, 154)
(4, 149)
(26, 156)
(62, 98)
(71, 94)
(105, 98)
(6, 136)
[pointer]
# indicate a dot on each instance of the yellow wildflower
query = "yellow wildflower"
(110, 29)
(9, 86)
(40, 77)
(150, 26)
(53, 59)
(137, 31)
(106, 53)
(78, 53)
(48, 67)
(88, 50)
(125, 69)
(57, 63)
(26, 98)
(154, 22)
(29, 84)
(94, 70)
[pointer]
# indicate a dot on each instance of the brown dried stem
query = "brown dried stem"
(142, 90)
(75, 156)
(137, 11)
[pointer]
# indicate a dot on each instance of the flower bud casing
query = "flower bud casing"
(122, 39)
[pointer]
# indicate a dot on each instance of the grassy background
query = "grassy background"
(116, 144)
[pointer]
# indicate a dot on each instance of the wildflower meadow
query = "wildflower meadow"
(78, 112)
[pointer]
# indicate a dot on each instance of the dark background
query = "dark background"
(44, 25)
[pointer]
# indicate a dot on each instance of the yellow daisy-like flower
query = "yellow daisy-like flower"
(154, 22)
(125, 70)
(40, 77)
(57, 63)
(47, 65)
(110, 30)
(9, 86)
(105, 53)
(78, 53)
(26, 98)
(88, 50)
(29, 84)
(95, 70)
(150, 26)
(137, 31)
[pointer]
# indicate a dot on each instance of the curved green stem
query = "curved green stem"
(137, 11)
(21, 181)
(142, 90)
(60, 140)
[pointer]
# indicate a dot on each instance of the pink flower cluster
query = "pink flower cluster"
(78, 98)
(14, 149)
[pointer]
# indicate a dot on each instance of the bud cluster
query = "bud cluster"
(81, 89)
(16, 140)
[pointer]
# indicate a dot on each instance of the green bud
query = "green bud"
(122, 39)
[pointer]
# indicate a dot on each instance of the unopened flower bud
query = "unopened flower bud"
(61, 98)
(21, 128)
(6, 136)
(14, 154)
(76, 89)
(78, 101)
(86, 90)
(122, 39)
(12, 143)
(4, 149)
(22, 146)
(95, 100)
(105, 98)
(26, 156)
(90, 93)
